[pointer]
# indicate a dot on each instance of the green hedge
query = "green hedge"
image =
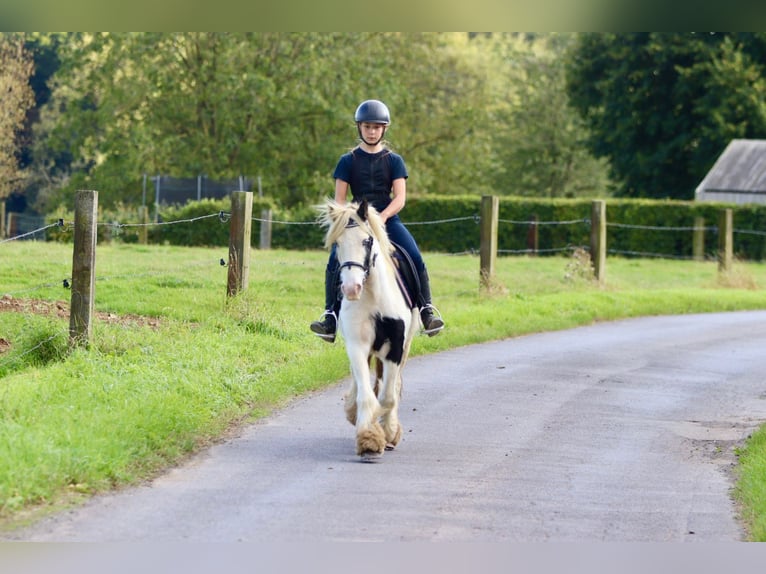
(451, 225)
(630, 225)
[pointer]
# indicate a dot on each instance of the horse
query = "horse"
(376, 321)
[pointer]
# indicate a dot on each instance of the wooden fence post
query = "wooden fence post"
(533, 235)
(598, 239)
(266, 229)
(698, 239)
(2, 220)
(83, 268)
(725, 241)
(143, 219)
(490, 208)
(12, 230)
(240, 226)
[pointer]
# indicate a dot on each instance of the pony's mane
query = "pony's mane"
(336, 216)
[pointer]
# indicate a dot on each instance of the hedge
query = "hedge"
(451, 224)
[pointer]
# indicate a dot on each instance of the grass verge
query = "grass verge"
(173, 364)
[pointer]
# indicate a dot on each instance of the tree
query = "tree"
(539, 138)
(273, 104)
(661, 107)
(280, 105)
(15, 70)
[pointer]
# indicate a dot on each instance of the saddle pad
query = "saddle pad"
(406, 275)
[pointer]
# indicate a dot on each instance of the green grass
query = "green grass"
(141, 398)
(751, 487)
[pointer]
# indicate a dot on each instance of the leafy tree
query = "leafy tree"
(40, 175)
(15, 70)
(539, 138)
(272, 104)
(280, 106)
(662, 106)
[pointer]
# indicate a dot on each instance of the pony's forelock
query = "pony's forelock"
(336, 216)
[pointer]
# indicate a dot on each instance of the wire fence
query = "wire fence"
(24, 225)
(526, 228)
(531, 249)
(39, 233)
(659, 228)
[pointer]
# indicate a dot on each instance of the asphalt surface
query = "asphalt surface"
(619, 431)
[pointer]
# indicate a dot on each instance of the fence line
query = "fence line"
(29, 233)
(533, 222)
(222, 215)
(261, 220)
(224, 218)
(65, 282)
(475, 218)
(659, 228)
(649, 254)
(219, 215)
(545, 250)
(748, 231)
(488, 249)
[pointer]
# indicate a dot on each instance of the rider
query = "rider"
(373, 172)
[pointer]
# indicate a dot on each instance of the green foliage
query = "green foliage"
(199, 223)
(41, 341)
(466, 117)
(538, 138)
(120, 223)
(17, 97)
(662, 106)
(451, 236)
(297, 229)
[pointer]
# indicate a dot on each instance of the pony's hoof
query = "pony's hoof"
(392, 441)
(371, 440)
(370, 456)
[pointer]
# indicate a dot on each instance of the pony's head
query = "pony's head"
(360, 236)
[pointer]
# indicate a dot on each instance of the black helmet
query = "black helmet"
(373, 112)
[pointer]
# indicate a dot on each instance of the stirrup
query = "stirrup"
(436, 317)
(319, 329)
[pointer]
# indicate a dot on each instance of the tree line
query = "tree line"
(535, 115)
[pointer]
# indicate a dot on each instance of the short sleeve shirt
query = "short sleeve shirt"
(371, 175)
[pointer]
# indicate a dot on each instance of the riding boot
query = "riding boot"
(328, 322)
(432, 321)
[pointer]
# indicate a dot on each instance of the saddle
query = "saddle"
(406, 276)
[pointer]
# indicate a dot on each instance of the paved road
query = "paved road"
(614, 432)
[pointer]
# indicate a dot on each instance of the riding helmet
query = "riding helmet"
(373, 112)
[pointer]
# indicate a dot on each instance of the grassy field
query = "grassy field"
(174, 364)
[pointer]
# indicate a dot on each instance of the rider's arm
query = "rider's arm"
(398, 199)
(341, 191)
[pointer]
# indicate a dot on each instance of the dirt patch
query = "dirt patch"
(60, 309)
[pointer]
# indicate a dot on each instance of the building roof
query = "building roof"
(738, 175)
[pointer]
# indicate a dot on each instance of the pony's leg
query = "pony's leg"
(370, 438)
(378, 375)
(350, 396)
(390, 393)
(349, 402)
(389, 400)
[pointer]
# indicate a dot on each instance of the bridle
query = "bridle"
(369, 259)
